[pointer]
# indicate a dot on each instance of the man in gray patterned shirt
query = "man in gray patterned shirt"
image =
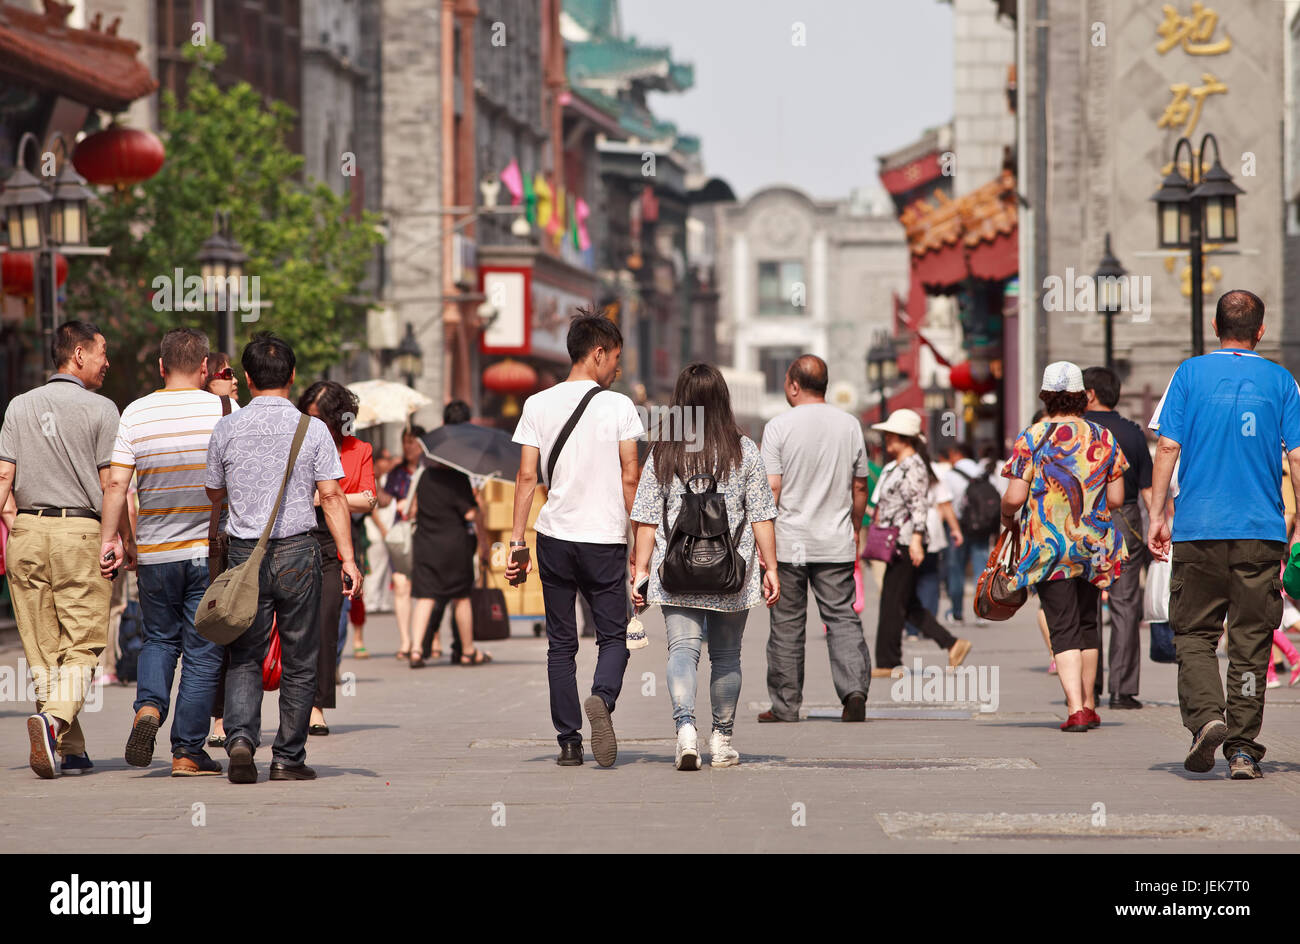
(246, 459)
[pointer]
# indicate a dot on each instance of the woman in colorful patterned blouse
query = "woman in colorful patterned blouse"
(1065, 474)
(732, 458)
(905, 504)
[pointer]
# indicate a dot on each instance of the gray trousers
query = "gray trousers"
(832, 585)
(1126, 610)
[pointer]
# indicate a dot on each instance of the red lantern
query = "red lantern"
(964, 380)
(119, 157)
(511, 378)
(17, 272)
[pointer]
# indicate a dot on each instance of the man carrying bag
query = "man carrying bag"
(268, 460)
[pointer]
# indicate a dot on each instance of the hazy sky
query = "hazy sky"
(873, 75)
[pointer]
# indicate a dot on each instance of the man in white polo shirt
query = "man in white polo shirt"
(163, 442)
(582, 528)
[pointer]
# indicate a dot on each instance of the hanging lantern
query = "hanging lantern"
(511, 379)
(119, 157)
(18, 272)
(963, 379)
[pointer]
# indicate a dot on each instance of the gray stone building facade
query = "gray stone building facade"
(1124, 79)
(797, 275)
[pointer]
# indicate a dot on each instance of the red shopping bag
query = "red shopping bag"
(271, 668)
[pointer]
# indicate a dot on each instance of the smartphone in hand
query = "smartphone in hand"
(642, 589)
(109, 558)
(519, 556)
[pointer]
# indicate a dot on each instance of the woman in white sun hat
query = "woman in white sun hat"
(1066, 474)
(904, 505)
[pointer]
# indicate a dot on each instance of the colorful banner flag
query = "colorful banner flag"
(580, 214)
(545, 206)
(513, 182)
(530, 201)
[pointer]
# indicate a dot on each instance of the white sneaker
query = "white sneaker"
(688, 752)
(721, 753)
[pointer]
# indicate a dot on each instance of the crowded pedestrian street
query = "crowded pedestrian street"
(456, 760)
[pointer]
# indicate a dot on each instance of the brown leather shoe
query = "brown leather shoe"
(767, 717)
(186, 764)
(139, 745)
(957, 654)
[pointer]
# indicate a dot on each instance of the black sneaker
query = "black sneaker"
(74, 764)
(604, 746)
(242, 768)
(1200, 759)
(1241, 766)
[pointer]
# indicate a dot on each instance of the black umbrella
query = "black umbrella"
(474, 450)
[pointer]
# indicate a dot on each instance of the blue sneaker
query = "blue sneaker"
(40, 732)
(77, 764)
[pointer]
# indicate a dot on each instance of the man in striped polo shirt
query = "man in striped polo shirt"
(163, 441)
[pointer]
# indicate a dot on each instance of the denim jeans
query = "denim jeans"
(343, 632)
(832, 585)
(972, 549)
(688, 628)
(290, 596)
(927, 587)
(169, 596)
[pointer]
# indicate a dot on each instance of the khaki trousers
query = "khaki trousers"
(61, 605)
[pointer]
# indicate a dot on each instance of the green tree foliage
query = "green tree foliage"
(225, 150)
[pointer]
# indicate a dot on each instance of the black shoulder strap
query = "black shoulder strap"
(225, 406)
(566, 431)
(968, 477)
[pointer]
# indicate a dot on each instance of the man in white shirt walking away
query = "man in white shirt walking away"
(583, 436)
(816, 463)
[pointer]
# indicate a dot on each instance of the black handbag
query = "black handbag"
(490, 615)
(703, 553)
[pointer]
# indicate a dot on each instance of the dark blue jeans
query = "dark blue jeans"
(973, 550)
(599, 573)
(290, 596)
(169, 596)
(927, 587)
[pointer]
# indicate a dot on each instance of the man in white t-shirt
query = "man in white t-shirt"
(591, 478)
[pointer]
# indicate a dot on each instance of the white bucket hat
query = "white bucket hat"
(1063, 377)
(901, 423)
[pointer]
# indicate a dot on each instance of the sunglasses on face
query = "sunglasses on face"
(226, 373)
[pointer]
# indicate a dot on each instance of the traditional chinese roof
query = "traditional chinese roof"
(973, 235)
(92, 66)
(594, 17)
(610, 60)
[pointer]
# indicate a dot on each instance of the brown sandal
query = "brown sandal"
(403, 654)
(475, 656)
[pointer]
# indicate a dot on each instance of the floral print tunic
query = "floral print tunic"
(749, 499)
(1065, 524)
(904, 498)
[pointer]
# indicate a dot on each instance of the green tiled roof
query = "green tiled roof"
(595, 16)
(625, 59)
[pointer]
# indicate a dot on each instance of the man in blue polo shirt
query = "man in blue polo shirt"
(1229, 416)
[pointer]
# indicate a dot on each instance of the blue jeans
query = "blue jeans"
(972, 549)
(290, 596)
(343, 630)
(927, 587)
(688, 628)
(169, 596)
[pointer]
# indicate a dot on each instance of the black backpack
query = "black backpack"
(981, 515)
(703, 553)
(130, 640)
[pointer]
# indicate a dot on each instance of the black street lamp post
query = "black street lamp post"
(221, 262)
(410, 359)
(43, 217)
(1110, 277)
(882, 367)
(1190, 212)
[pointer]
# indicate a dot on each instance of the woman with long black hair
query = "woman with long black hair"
(905, 504)
(717, 448)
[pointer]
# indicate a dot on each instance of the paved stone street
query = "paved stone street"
(425, 761)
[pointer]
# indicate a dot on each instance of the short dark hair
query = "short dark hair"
(589, 331)
(70, 336)
(1104, 382)
(414, 430)
(809, 372)
(335, 404)
(457, 411)
(1238, 316)
(268, 362)
(183, 349)
(958, 446)
(1064, 402)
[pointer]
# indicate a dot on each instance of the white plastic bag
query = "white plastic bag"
(1157, 602)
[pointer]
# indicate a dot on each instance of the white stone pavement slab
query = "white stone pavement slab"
(462, 759)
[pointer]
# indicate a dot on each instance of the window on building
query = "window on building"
(781, 288)
(774, 362)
